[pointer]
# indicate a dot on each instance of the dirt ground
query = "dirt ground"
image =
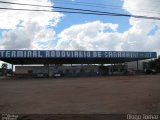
(85, 95)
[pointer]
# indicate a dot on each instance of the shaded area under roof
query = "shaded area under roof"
(24, 61)
(25, 57)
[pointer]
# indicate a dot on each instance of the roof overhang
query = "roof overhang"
(18, 57)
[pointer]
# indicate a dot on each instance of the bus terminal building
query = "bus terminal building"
(73, 63)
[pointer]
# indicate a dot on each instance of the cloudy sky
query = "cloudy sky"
(63, 31)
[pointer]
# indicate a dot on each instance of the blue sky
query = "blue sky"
(72, 19)
(46, 30)
(61, 31)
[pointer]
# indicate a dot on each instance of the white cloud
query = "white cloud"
(31, 37)
(32, 31)
(95, 35)
(10, 18)
(138, 37)
(89, 36)
(142, 7)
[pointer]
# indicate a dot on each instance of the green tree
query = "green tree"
(4, 68)
(155, 64)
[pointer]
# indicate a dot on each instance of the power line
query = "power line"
(100, 5)
(65, 8)
(24, 4)
(91, 13)
(114, 7)
(89, 3)
(97, 5)
(86, 4)
(109, 7)
(80, 11)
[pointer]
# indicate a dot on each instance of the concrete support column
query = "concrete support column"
(137, 66)
(111, 70)
(12, 69)
(48, 70)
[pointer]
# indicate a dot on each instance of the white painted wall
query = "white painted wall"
(133, 65)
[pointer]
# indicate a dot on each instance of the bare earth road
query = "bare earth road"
(109, 94)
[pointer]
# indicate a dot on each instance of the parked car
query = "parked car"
(150, 71)
(58, 74)
(40, 75)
